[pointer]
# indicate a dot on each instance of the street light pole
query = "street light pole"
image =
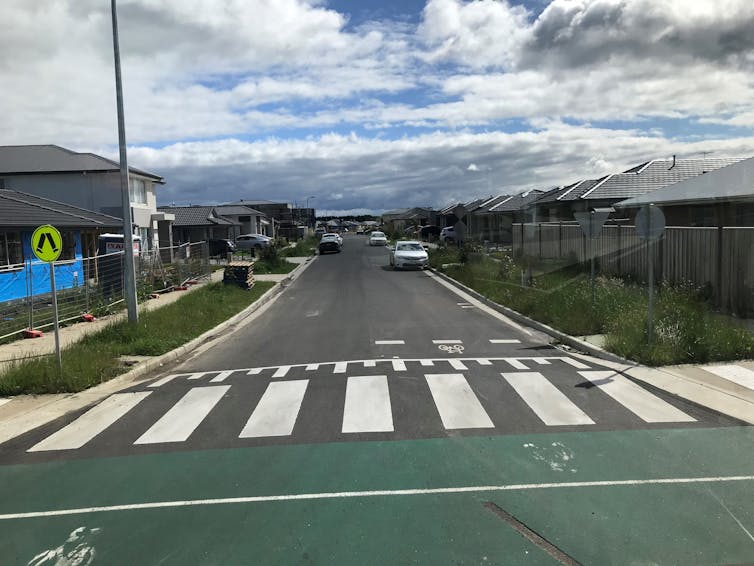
(129, 277)
(307, 207)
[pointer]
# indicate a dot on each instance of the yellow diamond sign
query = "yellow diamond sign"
(46, 243)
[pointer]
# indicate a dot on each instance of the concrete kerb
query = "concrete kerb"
(561, 337)
(26, 421)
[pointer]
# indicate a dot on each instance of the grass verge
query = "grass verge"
(686, 328)
(94, 359)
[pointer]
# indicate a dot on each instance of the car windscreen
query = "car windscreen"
(409, 248)
(378, 235)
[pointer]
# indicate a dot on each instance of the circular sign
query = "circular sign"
(650, 223)
(46, 243)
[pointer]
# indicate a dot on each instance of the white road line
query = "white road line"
(166, 379)
(737, 374)
(633, 397)
(389, 342)
(254, 371)
(456, 402)
(399, 365)
(4, 401)
(374, 493)
(541, 361)
(467, 307)
(546, 400)
(447, 341)
(282, 371)
(573, 363)
(197, 375)
(91, 423)
(370, 363)
(220, 377)
(340, 367)
(367, 407)
(427, 363)
(277, 410)
(457, 365)
(462, 304)
(504, 341)
(182, 419)
(312, 367)
(515, 363)
(482, 362)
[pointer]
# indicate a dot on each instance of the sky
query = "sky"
(367, 105)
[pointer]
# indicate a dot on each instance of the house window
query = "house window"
(10, 249)
(137, 190)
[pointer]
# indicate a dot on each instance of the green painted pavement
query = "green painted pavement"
(657, 523)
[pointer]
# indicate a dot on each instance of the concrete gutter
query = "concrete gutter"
(27, 412)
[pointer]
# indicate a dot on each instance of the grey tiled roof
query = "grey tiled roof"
(517, 202)
(21, 210)
(196, 216)
(29, 159)
(652, 175)
(237, 210)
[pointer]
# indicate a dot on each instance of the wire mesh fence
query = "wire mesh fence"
(93, 285)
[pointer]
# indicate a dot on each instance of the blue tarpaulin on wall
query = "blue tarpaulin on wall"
(35, 275)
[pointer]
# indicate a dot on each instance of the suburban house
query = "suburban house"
(279, 214)
(197, 224)
(723, 197)
(87, 181)
(404, 217)
(559, 205)
(21, 274)
(246, 220)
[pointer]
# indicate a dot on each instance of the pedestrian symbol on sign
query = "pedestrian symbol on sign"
(46, 243)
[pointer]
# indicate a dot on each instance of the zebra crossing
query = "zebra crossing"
(368, 405)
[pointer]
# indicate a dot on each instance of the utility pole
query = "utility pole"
(129, 277)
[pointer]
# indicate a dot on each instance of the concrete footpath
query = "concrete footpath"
(25, 412)
(725, 387)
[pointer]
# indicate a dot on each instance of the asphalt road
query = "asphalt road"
(359, 379)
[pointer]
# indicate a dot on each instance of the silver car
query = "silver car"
(252, 241)
(377, 239)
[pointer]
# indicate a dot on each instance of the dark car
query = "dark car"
(427, 231)
(221, 247)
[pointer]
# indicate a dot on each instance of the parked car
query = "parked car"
(377, 239)
(220, 247)
(319, 232)
(252, 241)
(427, 231)
(407, 253)
(448, 234)
(330, 243)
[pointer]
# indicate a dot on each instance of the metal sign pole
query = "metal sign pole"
(591, 250)
(55, 316)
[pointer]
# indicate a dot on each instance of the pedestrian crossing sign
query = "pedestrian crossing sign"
(46, 243)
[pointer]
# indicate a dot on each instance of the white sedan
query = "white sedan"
(408, 254)
(377, 239)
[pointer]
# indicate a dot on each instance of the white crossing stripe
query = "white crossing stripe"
(312, 367)
(367, 407)
(182, 419)
(457, 364)
(515, 363)
(197, 375)
(370, 363)
(399, 365)
(389, 342)
(447, 342)
(340, 367)
(483, 362)
(456, 402)
(220, 377)
(426, 363)
(91, 423)
(542, 361)
(504, 341)
(282, 371)
(277, 410)
(467, 306)
(254, 371)
(633, 397)
(574, 363)
(546, 400)
(164, 380)
(737, 374)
